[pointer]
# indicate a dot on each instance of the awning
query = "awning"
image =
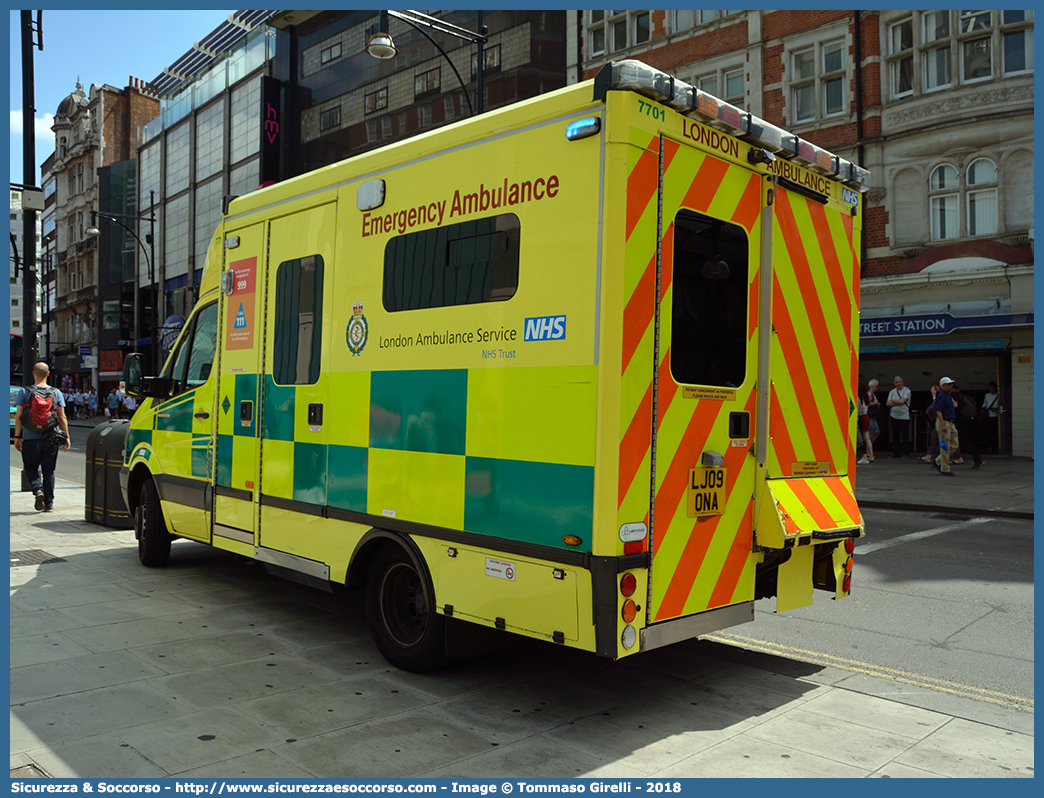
(819, 508)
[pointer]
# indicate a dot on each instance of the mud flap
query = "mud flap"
(794, 580)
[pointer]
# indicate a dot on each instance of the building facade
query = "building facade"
(269, 95)
(938, 105)
(92, 130)
(18, 256)
(340, 101)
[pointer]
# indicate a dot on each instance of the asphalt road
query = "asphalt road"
(937, 601)
(944, 602)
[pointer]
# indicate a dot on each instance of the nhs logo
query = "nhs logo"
(545, 328)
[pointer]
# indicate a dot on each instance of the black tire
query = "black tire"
(400, 608)
(153, 539)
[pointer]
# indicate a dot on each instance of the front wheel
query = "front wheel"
(400, 608)
(153, 539)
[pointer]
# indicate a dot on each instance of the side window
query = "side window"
(297, 340)
(460, 264)
(203, 349)
(709, 307)
(190, 366)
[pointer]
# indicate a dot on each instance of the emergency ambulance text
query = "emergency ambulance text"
(462, 204)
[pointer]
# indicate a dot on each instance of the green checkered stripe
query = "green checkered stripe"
(417, 439)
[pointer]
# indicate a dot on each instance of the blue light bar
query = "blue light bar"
(582, 128)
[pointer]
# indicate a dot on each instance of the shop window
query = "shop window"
(460, 264)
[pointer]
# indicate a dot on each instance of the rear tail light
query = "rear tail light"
(848, 565)
(628, 584)
(629, 637)
(630, 610)
(850, 545)
(847, 584)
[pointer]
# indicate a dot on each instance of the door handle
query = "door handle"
(202, 415)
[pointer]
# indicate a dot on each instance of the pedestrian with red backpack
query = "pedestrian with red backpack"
(40, 428)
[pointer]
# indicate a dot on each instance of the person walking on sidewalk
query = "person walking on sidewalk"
(965, 417)
(39, 455)
(945, 429)
(899, 402)
(873, 409)
(989, 416)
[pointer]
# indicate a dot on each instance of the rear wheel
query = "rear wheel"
(153, 538)
(400, 608)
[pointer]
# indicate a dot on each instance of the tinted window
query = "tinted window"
(298, 328)
(460, 264)
(193, 359)
(709, 308)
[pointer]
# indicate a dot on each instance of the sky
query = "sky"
(98, 47)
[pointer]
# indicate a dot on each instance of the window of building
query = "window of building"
(386, 127)
(79, 178)
(330, 118)
(491, 58)
(426, 83)
(900, 67)
(982, 197)
(936, 59)
(460, 264)
(371, 130)
(1017, 41)
(817, 84)
(975, 59)
(617, 29)
(297, 340)
(376, 100)
(329, 54)
(709, 304)
(944, 199)
(726, 84)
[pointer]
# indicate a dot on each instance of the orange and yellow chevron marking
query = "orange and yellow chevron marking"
(812, 445)
(816, 503)
(635, 445)
(638, 313)
(642, 184)
(800, 248)
(636, 399)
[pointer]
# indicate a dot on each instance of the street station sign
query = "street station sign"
(941, 324)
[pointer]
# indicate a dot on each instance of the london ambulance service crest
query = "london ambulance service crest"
(358, 330)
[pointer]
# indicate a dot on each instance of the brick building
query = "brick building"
(93, 131)
(938, 105)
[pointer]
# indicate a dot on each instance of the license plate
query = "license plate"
(705, 494)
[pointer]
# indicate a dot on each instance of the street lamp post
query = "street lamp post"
(94, 232)
(381, 45)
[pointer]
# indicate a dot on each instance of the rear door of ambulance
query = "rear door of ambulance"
(692, 256)
(707, 368)
(814, 371)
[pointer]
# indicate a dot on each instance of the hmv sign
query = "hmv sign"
(271, 128)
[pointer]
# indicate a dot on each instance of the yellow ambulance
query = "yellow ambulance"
(579, 369)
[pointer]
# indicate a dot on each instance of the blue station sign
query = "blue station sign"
(941, 324)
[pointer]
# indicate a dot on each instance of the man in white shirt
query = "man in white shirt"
(899, 412)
